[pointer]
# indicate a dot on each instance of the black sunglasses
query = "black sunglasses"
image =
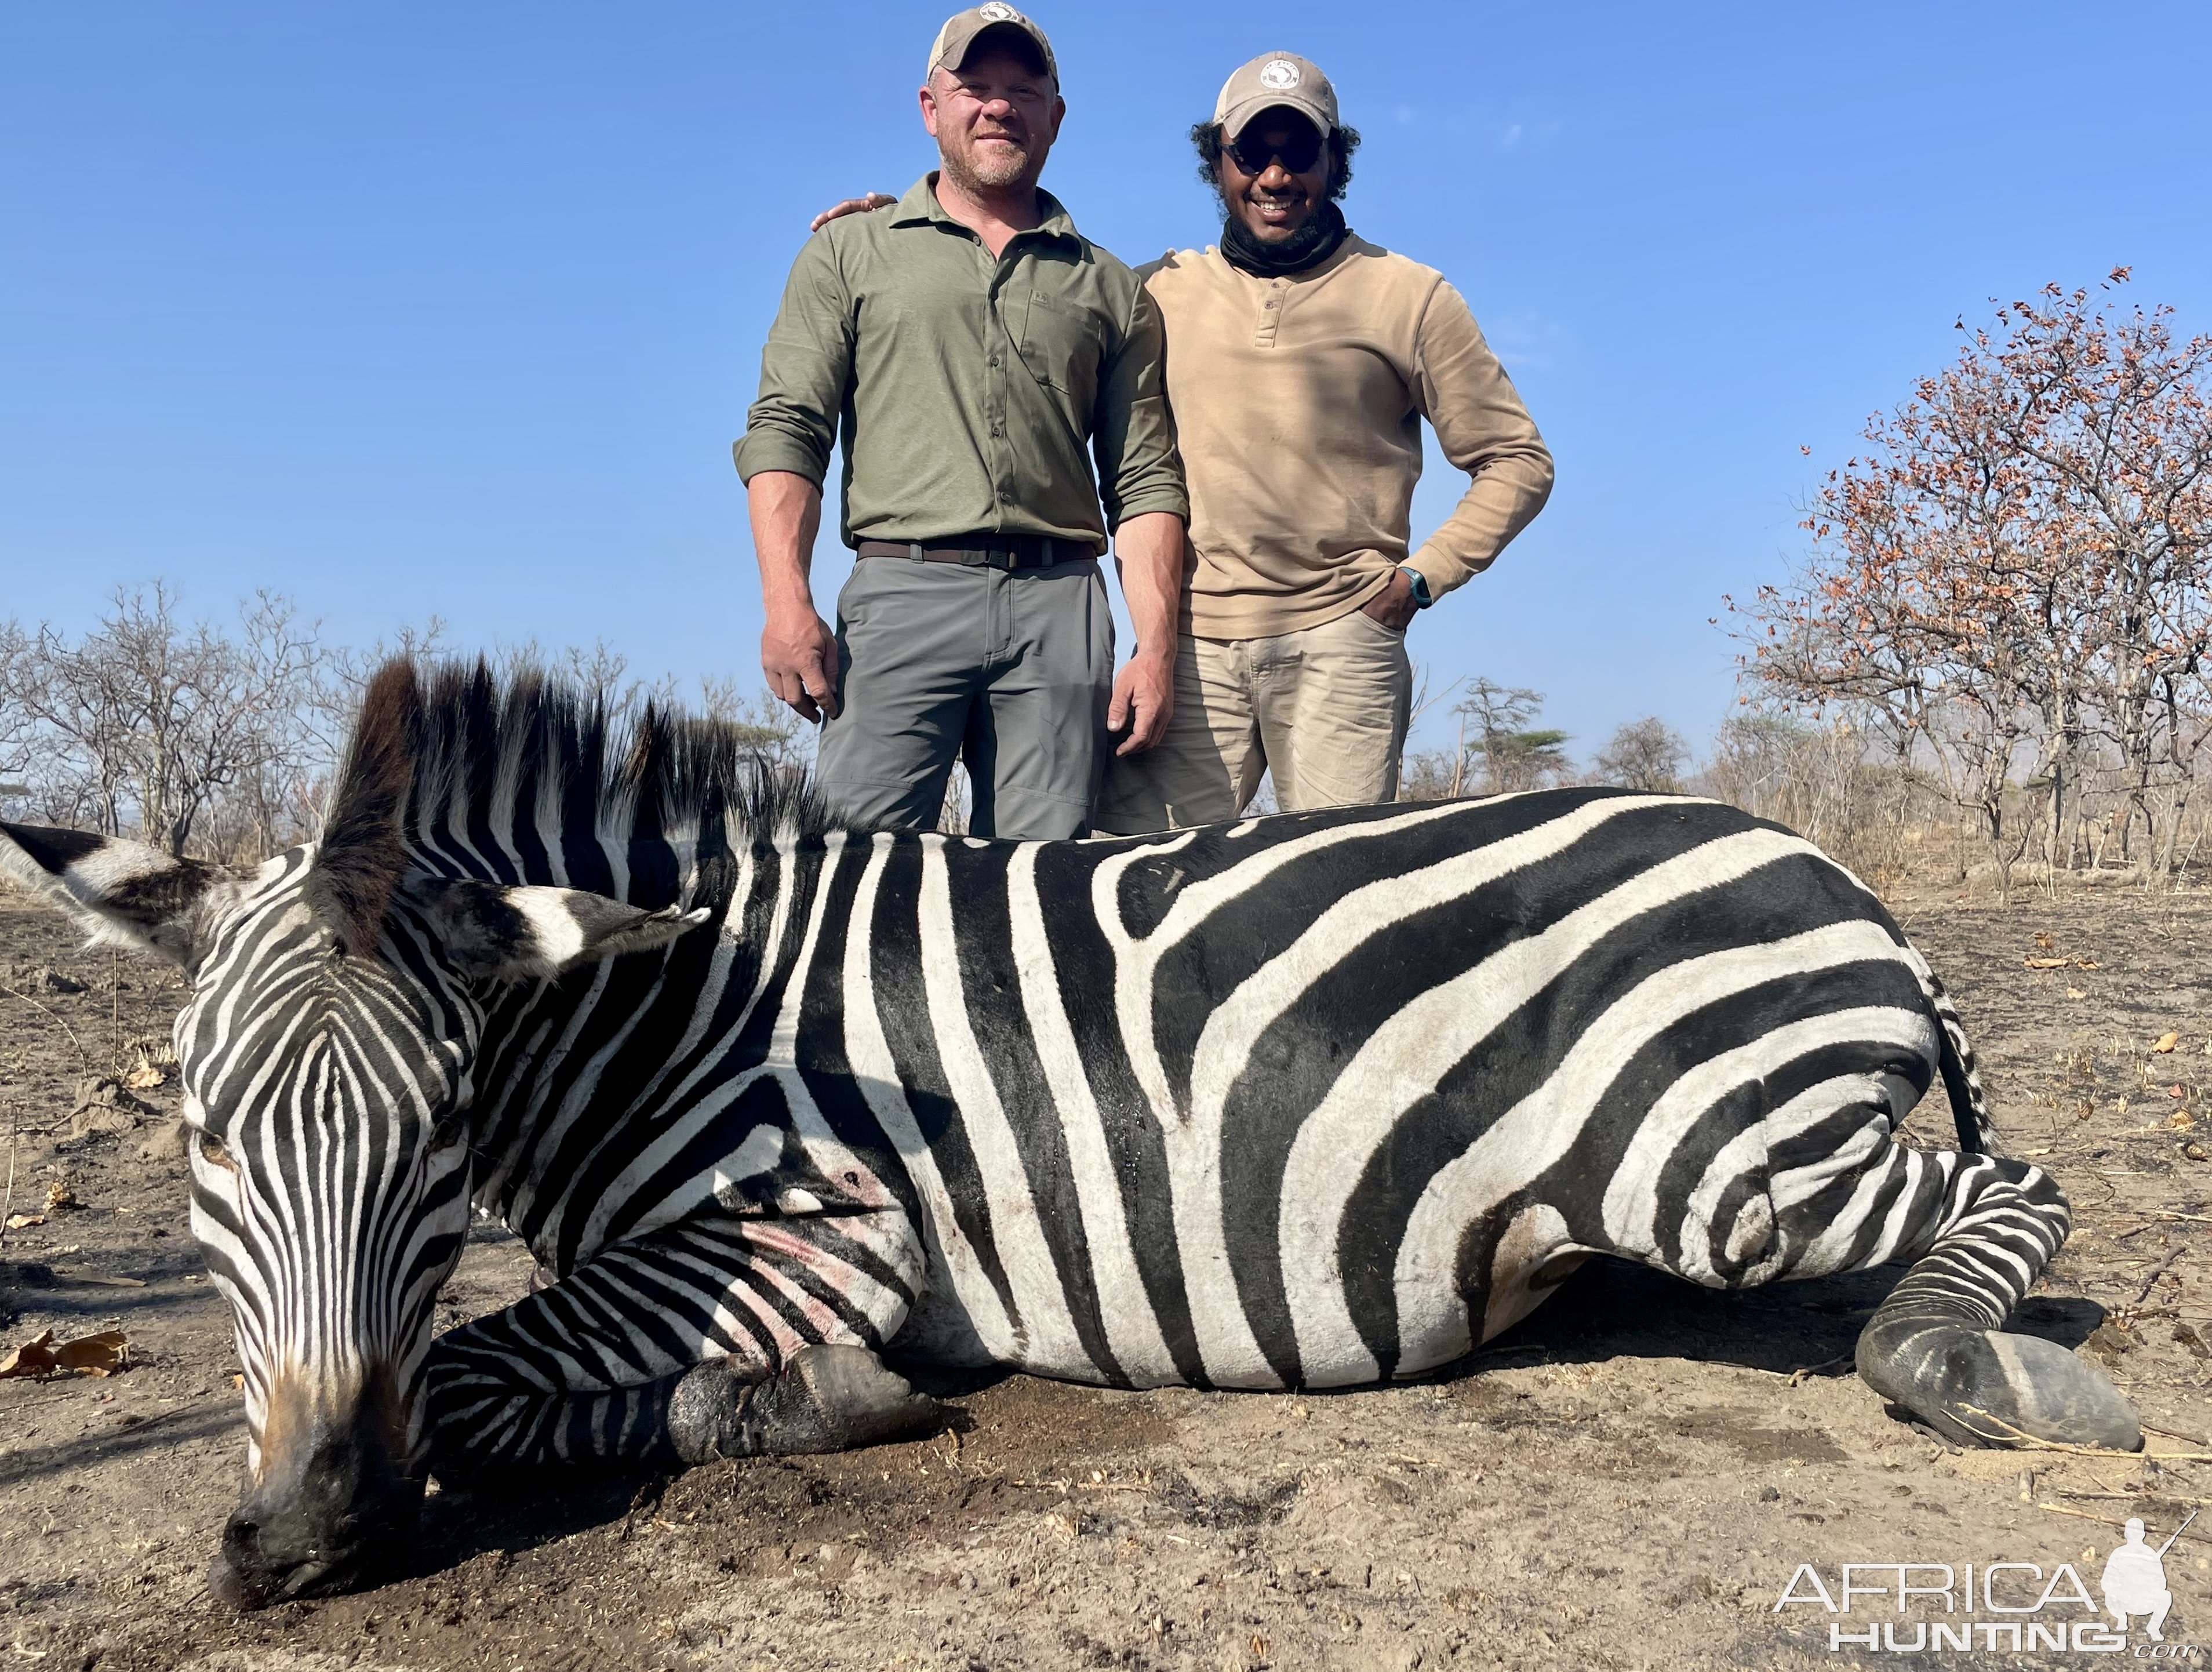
(1298, 152)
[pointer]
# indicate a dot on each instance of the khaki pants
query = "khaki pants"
(1323, 709)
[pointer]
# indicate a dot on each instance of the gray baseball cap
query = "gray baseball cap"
(953, 41)
(1272, 79)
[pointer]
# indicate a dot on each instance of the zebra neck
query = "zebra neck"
(585, 1081)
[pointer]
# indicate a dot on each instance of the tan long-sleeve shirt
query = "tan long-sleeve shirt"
(1298, 402)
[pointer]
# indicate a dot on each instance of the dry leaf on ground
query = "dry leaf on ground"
(94, 1355)
(25, 1222)
(2166, 1042)
(33, 1358)
(60, 1196)
(2046, 963)
(87, 1355)
(144, 1077)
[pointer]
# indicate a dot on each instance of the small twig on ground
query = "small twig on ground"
(2021, 1438)
(2107, 1521)
(2172, 1433)
(2151, 1492)
(2151, 1282)
(1798, 1375)
(7, 1202)
(84, 1057)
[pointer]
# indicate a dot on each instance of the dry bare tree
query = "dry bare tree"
(145, 722)
(1645, 754)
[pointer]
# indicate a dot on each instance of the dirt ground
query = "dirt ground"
(1630, 1479)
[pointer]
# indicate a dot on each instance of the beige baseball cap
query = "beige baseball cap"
(1271, 80)
(950, 49)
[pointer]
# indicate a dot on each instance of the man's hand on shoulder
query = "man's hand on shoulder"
(874, 200)
(1395, 604)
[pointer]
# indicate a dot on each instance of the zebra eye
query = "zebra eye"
(211, 1151)
(448, 1132)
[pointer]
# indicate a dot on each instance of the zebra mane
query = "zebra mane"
(450, 770)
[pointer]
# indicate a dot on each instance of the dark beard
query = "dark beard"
(1309, 246)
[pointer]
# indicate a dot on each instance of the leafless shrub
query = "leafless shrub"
(148, 723)
(1837, 784)
(1645, 754)
(218, 741)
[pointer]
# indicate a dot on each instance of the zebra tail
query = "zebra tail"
(1970, 1106)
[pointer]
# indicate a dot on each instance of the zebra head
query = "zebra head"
(338, 995)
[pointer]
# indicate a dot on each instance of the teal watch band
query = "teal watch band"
(1419, 583)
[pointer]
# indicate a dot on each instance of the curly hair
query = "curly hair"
(1207, 136)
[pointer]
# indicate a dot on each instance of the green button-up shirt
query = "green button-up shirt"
(966, 389)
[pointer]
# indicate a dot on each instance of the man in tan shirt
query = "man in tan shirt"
(1301, 360)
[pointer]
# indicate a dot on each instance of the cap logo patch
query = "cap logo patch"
(1276, 75)
(997, 11)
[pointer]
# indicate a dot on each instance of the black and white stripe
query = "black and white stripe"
(1314, 1100)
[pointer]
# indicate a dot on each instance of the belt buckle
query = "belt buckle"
(1005, 559)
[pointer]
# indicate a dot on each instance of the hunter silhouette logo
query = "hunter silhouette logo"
(2135, 1579)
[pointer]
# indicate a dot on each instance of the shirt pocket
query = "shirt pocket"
(1064, 346)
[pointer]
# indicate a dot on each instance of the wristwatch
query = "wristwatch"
(1422, 598)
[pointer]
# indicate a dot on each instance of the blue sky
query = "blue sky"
(411, 309)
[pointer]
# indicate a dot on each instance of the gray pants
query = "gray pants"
(936, 662)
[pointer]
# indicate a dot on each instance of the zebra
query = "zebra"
(1311, 1100)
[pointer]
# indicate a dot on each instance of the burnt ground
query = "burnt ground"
(1628, 1480)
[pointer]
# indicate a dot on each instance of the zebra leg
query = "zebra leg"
(1937, 1346)
(722, 1338)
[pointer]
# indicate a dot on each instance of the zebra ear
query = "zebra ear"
(496, 933)
(121, 893)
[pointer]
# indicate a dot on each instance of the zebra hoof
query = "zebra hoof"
(834, 1398)
(825, 1399)
(1986, 1387)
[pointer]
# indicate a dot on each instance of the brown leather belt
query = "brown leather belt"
(994, 552)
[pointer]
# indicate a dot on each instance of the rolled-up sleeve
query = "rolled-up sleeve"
(1133, 435)
(1485, 430)
(805, 371)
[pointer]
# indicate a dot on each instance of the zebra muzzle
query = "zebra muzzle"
(331, 1505)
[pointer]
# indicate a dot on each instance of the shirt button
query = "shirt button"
(995, 363)
(1271, 301)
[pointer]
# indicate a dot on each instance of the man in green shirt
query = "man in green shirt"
(969, 344)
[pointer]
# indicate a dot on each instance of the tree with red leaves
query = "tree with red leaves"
(2017, 574)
